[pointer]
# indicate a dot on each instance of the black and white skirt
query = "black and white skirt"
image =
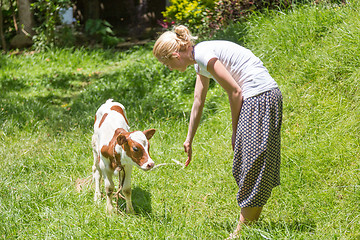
(256, 166)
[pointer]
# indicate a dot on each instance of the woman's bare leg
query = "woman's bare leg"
(248, 216)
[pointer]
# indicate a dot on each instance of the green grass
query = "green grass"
(47, 104)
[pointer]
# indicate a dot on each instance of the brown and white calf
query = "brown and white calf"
(116, 151)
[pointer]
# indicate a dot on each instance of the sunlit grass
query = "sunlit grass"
(47, 104)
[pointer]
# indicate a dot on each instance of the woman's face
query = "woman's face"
(176, 62)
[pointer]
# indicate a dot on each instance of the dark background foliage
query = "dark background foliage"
(107, 23)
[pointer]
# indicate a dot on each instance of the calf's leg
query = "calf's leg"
(95, 168)
(96, 173)
(127, 189)
(97, 179)
(109, 188)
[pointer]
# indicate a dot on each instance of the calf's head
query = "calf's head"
(136, 146)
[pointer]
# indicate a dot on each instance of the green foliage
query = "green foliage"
(101, 31)
(208, 17)
(48, 100)
(230, 11)
(9, 9)
(65, 36)
(188, 12)
(95, 27)
(46, 13)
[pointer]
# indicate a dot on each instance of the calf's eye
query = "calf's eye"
(135, 149)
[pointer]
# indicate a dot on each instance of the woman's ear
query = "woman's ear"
(175, 55)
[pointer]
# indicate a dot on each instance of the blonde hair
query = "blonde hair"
(179, 39)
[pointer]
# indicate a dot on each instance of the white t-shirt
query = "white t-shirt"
(247, 69)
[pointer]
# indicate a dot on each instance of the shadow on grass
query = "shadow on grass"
(65, 81)
(62, 101)
(9, 83)
(141, 200)
(48, 103)
(65, 101)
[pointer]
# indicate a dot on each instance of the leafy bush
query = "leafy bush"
(204, 17)
(101, 31)
(47, 15)
(9, 9)
(207, 17)
(190, 13)
(230, 11)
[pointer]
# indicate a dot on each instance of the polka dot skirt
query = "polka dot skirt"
(256, 166)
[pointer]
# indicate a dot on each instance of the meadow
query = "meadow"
(47, 104)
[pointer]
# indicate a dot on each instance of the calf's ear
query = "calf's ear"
(121, 139)
(149, 133)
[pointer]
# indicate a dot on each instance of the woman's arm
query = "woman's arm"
(201, 88)
(224, 78)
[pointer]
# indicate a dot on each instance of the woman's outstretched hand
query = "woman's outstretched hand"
(188, 150)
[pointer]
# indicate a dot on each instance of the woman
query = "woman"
(256, 111)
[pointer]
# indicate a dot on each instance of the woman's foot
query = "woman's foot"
(248, 216)
(234, 235)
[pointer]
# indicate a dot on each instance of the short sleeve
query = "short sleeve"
(202, 57)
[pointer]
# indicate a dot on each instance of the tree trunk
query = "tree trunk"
(26, 32)
(3, 42)
(25, 17)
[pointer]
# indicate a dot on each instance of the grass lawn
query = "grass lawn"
(48, 101)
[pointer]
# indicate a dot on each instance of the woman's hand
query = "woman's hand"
(188, 150)
(201, 88)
